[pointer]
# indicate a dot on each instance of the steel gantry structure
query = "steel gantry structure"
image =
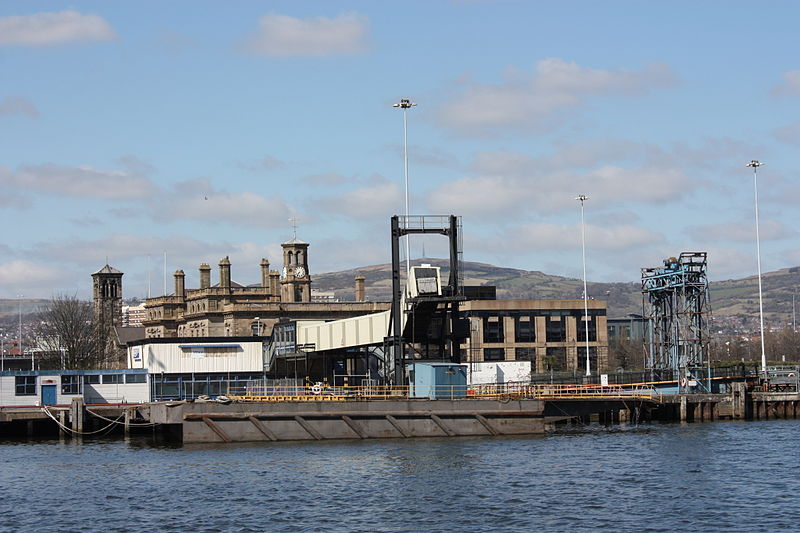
(676, 303)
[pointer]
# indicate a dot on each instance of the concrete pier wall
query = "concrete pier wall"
(239, 422)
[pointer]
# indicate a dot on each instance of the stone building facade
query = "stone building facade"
(107, 296)
(549, 333)
(230, 309)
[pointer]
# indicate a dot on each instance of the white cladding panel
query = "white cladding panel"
(92, 393)
(199, 357)
(116, 393)
(346, 333)
(500, 372)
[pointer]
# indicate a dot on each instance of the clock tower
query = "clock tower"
(295, 280)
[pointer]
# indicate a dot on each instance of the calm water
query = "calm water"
(698, 477)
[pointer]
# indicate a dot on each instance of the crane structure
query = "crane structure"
(676, 303)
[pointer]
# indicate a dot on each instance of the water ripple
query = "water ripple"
(719, 477)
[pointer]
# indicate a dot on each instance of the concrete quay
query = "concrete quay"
(323, 420)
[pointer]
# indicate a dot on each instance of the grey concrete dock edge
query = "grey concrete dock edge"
(252, 421)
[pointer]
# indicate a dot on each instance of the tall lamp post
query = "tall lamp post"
(755, 164)
(405, 105)
(582, 198)
(21, 351)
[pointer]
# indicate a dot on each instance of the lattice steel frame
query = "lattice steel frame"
(676, 302)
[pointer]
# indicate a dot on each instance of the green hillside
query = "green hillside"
(730, 299)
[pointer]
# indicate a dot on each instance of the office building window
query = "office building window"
(592, 358)
(525, 354)
(25, 385)
(494, 354)
(556, 329)
(70, 384)
(493, 329)
(556, 359)
(524, 329)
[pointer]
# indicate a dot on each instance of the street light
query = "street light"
(405, 105)
(755, 164)
(582, 198)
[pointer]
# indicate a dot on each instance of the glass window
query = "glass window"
(70, 384)
(525, 354)
(524, 330)
(25, 385)
(592, 358)
(556, 329)
(556, 359)
(112, 379)
(493, 329)
(494, 354)
(91, 379)
(135, 378)
(581, 324)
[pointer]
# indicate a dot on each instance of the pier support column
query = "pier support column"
(76, 413)
(62, 420)
(128, 416)
(684, 408)
(739, 400)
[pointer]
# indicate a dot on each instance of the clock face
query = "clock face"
(299, 272)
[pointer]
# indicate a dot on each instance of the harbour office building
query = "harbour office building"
(551, 334)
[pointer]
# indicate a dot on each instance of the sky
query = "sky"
(198, 129)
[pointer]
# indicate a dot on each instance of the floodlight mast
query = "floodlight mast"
(582, 198)
(406, 104)
(755, 164)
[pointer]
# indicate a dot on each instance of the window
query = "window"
(25, 385)
(91, 379)
(556, 359)
(525, 354)
(135, 378)
(494, 354)
(581, 324)
(493, 329)
(524, 329)
(592, 358)
(556, 329)
(112, 379)
(70, 384)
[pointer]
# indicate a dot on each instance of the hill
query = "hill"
(734, 302)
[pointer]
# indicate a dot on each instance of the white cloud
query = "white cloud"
(380, 197)
(546, 236)
(525, 102)
(736, 231)
(81, 181)
(199, 200)
(285, 36)
(44, 29)
(550, 192)
(790, 85)
(25, 274)
(326, 179)
(14, 105)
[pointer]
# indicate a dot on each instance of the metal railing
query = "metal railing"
(502, 391)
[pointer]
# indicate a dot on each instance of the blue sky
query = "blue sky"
(199, 128)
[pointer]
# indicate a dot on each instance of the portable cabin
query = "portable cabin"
(59, 387)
